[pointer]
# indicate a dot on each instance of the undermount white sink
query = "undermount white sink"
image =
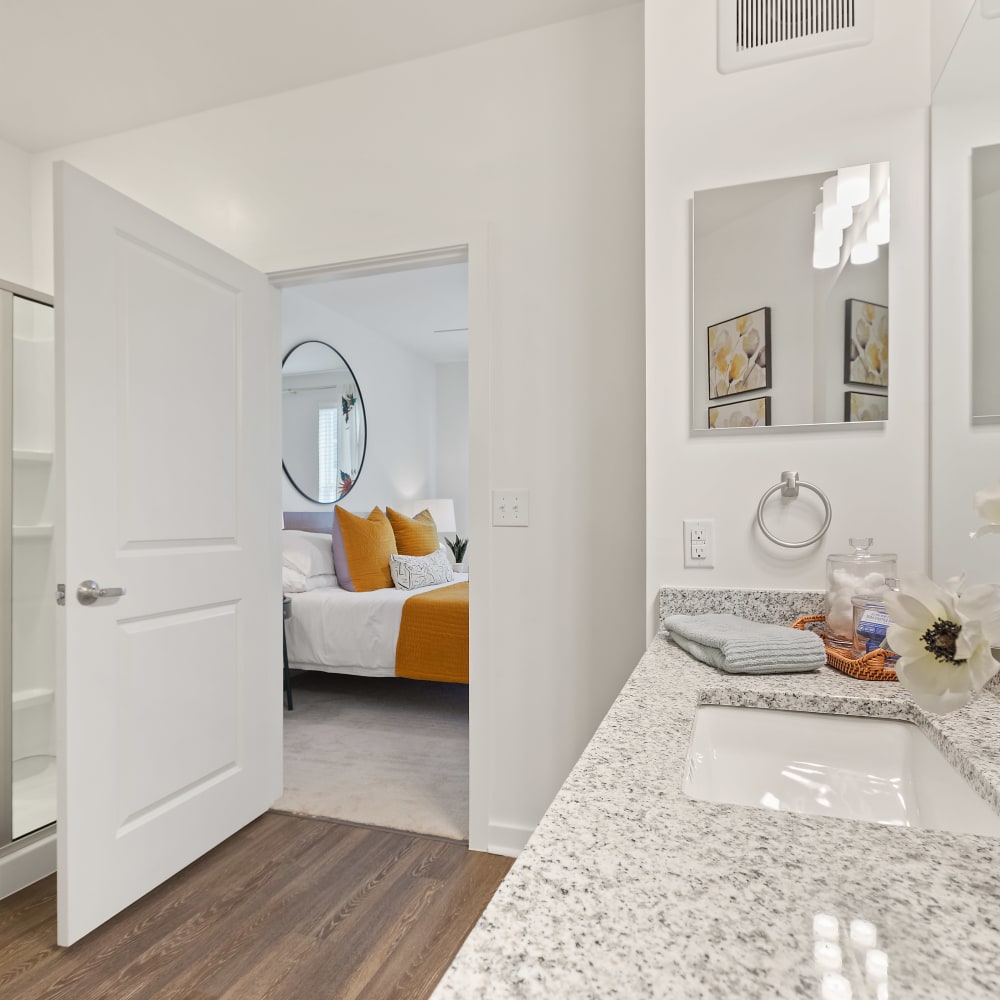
(879, 770)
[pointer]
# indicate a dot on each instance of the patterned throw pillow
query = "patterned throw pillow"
(415, 536)
(411, 572)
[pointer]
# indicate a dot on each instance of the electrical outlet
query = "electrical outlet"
(510, 508)
(699, 544)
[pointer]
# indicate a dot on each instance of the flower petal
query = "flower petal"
(982, 603)
(981, 666)
(970, 638)
(926, 675)
(941, 704)
(907, 611)
(905, 641)
(924, 589)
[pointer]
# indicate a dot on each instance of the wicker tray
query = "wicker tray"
(870, 667)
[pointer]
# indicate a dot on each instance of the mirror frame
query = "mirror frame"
(364, 410)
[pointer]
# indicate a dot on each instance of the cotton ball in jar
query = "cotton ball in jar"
(840, 617)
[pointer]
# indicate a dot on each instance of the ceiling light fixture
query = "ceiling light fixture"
(864, 252)
(824, 256)
(854, 184)
(835, 215)
(821, 234)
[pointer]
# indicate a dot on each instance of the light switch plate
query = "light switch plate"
(510, 508)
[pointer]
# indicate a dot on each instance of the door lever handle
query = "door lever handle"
(89, 591)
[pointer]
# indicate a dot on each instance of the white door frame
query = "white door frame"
(449, 246)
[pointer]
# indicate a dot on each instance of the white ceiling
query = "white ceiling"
(426, 309)
(77, 69)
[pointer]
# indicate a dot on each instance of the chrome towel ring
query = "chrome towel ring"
(789, 487)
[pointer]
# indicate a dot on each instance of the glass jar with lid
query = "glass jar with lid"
(847, 576)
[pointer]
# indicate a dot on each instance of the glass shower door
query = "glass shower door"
(31, 582)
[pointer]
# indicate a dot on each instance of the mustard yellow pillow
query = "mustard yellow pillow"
(415, 536)
(361, 550)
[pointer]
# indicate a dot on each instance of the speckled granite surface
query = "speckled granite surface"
(776, 607)
(628, 888)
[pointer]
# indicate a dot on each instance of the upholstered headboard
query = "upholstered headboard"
(308, 520)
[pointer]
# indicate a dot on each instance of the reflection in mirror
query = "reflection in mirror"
(324, 430)
(790, 300)
(985, 289)
(965, 429)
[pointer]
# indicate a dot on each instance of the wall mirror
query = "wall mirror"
(985, 289)
(790, 301)
(324, 430)
(965, 306)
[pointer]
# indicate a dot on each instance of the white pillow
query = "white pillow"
(322, 580)
(292, 582)
(411, 572)
(308, 553)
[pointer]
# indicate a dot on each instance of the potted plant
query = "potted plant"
(458, 546)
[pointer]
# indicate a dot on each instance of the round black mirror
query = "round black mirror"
(324, 431)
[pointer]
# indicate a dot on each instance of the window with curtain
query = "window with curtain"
(328, 468)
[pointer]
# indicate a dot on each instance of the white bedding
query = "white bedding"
(342, 632)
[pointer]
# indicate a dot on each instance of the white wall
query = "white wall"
(398, 389)
(947, 19)
(15, 211)
(534, 140)
(704, 129)
(452, 433)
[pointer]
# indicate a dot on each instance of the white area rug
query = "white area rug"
(383, 751)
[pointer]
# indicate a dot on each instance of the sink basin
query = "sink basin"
(879, 770)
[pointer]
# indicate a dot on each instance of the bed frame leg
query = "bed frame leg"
(288, 676)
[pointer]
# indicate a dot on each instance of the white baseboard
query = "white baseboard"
(32, 862)
(508, 839)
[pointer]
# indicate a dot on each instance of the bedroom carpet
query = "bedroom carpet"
(383, 751)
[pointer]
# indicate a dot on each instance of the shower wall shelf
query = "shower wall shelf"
(30, 697)
(33, 531)
(33, 457)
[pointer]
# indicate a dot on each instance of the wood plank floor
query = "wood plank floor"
(288, 908)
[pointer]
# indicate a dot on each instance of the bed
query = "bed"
(422, 634)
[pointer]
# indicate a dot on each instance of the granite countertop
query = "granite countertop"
(628, 888)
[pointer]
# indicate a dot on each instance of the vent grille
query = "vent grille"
(756, 32)
(773, 21)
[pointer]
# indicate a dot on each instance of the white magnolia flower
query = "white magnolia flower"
(988, 508)
(943, 637)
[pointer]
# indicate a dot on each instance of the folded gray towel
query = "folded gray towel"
(739, 646)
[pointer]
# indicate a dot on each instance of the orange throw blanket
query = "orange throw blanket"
(433, 643)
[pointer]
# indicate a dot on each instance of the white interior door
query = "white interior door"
(169, 703)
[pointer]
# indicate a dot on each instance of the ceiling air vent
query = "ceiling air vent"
(759, 32)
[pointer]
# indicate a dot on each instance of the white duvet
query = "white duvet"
(342, 632)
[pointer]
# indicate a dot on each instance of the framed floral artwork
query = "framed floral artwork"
(739, 354)
(860, 406)
(741, 413)
(866, 343)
